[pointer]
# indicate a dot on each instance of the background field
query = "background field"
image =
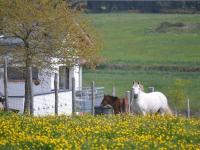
(136, 51)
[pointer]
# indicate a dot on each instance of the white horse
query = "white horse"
(150, 102)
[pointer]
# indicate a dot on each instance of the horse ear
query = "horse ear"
(138, 82)
(133, 82)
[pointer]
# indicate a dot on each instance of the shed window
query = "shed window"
(18, 73)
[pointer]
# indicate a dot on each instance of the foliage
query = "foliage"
(100, 132)
(178, 94)
(48, 29)
(158, 6)
(50, 33)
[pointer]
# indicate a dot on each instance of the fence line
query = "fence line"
(73, 96)
(83, 97)
(188, 108)
(113, 91)
(128, 95)
(93, 96)
(5, 84)
(56, 93)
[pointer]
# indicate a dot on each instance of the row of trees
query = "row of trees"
(49, 31)
(144, 6)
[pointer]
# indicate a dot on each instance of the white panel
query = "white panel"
(16, 104)
(45, 104)
(17, 88)
(65, 103)
(77, 75)
(1, 87)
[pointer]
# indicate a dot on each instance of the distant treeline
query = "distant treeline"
(142, 6)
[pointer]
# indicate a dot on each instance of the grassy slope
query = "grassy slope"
(128, 39)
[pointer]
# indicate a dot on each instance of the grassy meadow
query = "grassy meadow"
(98, 133)
(131, 40)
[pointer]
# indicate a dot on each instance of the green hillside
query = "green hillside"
(131, 38)
(138, 47)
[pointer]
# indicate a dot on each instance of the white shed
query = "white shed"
(43, 88)
(43, 91)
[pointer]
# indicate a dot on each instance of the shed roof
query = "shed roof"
(10, 41)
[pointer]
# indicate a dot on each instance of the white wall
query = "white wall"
(78, 77)
(16, 103)
(16, 88)
(45, 104)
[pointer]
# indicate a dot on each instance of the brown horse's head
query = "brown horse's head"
(115, 102)
(107, 100)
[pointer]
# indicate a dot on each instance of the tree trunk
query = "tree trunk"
(30, 89)
(27, 92)
(27, 95)
(28, 81)
(28, 103)
(5, 84)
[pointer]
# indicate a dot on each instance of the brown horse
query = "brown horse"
(119, 105)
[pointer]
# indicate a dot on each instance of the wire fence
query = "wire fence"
(83, 100)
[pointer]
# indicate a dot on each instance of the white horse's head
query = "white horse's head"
(136, 89)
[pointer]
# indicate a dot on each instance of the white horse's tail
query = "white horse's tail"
(168, 111)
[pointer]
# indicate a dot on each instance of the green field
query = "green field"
(131, 40)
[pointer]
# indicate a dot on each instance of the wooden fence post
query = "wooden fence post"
(113, 91)
(30, 89)
(151, 89)
(73, 96)
(175, 111)
(5, 84)
(93, 96)
(129, 101)
(56, 93)
(188, 108)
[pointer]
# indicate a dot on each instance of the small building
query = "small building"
(43, 85)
